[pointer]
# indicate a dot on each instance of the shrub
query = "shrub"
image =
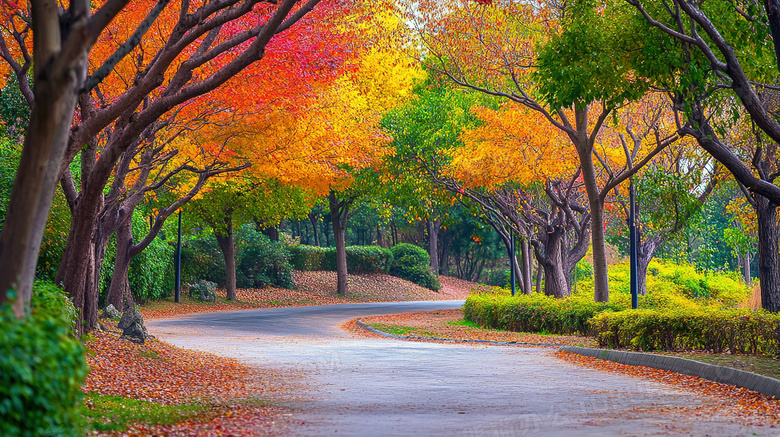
(201, 258)
(261, 261)
(360, 259)
(42, 368)
(496, 278)
(412, 263)
(534, 313)
(368, 259)
(311, 258)
(740, 331)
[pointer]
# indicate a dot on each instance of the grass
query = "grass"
(464, 322)
(401, 329)
(116, 413)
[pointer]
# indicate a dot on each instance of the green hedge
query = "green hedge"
(42, 368)
(413, 263)
(737, 330)
(534, 313)
(360, 259)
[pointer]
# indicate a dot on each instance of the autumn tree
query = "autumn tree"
(519, 52)
(199, 50)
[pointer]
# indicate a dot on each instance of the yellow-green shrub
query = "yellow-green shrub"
(740, 331)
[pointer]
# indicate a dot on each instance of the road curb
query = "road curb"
(725, 375)
(449, 340)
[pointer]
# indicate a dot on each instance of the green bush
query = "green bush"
(201, 258)
(261, 261)
(368, 259)
(313, 258)
(717, 330)
(360, 259)
(534, 313)
(42, 368)
(412, 263)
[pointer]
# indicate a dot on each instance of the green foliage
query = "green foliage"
(203, 291)
(261, 261)
(201, 258)
(116, 413)
(360, 259)
(593, 59)
(42, 367)
(739, 331)
(534, 313)
(368, 259)
(412, 263)
(496, 278)
(14, 111)
(310, 258)
(151, 273)
(583, 270)
(670, 287)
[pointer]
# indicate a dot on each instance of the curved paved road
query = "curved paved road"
(381, 387)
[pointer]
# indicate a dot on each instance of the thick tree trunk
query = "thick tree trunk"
(556, 282)
(339, 211)
(272, 233)
(433, 226)
(768, 259)
(36, 178)
(225, 240)
(598, 240)
(120, 285)
(341, 259)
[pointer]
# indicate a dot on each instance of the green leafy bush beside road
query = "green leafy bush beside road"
(412, 263)
(42, 368)
(683, 310)
(716, 330)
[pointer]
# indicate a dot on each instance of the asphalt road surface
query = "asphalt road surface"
(348, 386)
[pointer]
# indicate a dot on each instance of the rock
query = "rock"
(110, 312)
(132, 325)
(203, 291)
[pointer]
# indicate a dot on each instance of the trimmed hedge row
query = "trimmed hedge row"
(360, 259)
(736, 330)
(534, 313)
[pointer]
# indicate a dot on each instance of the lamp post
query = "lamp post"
(178, 262)
(632, 236)
(512, 278)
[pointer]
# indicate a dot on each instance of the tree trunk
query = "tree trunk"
(339, 211)
(444, 259)
(527, 270)
(41, 161)
(271, 232)
(746, 272)
(644, 254)
(598, 240)
(539, 273)
(120, 285)
(556, 282)
(768, 268)
(225, 240)
(433, 226)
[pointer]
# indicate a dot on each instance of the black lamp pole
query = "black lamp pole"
(633, 244)
(178, 262)
(512, 278)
